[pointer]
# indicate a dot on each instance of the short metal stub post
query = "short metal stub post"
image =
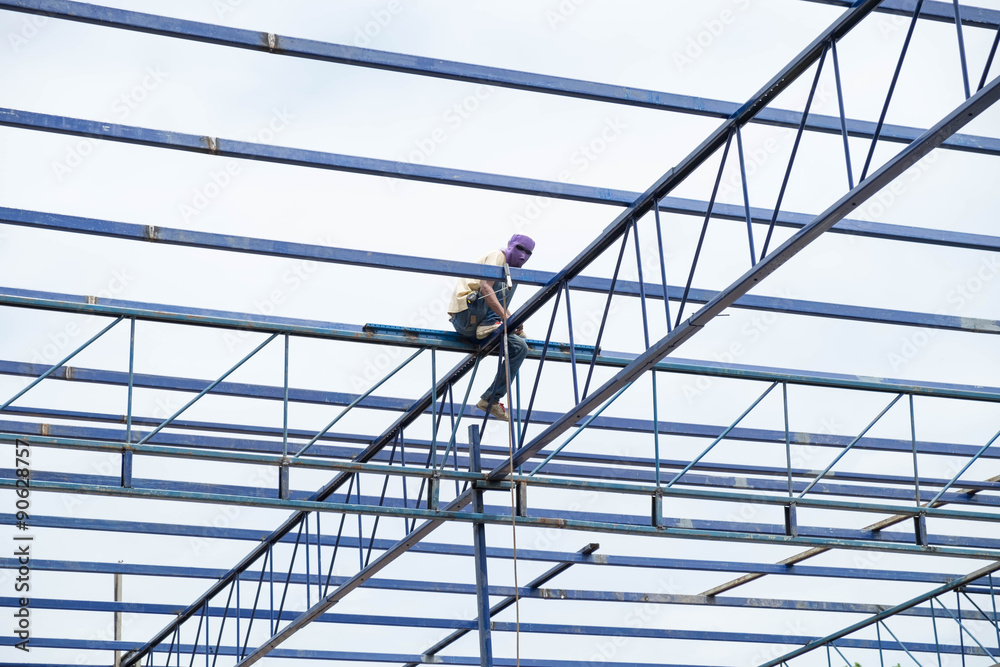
(283, 492)
(127, 468)
(433, 492)
(521, 496)
(920, 529)
(657, 510)
(791, 520)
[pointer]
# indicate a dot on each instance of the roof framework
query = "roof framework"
(429, 538)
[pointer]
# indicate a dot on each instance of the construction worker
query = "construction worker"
(479, 306)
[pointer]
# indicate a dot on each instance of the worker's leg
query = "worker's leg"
(517, 350)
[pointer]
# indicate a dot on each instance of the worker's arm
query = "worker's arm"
(486, 289)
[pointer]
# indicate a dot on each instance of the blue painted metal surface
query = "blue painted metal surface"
(956, 119)
(492, 76)
(628, 477)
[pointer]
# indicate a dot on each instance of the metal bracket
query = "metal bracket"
(283, 477)
(920, 529)
(657, 510)
(521, 498)
(127, 468)
(791, 520)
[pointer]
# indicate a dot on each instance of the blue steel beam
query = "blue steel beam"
(448, 340)
(734, 371)
(980, 548)
(838, 637)
(441, 623)
(463, 627)
(613, 467)
(611, 560)
(251, 495)
(544, 628)
(958, 118)
(598, 486)
(266, 247)
(491, 76)
(933, 10)
(615, 470)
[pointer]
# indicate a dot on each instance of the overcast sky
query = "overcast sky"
(715, 49)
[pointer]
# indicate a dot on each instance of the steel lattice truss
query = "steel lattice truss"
(416, 514)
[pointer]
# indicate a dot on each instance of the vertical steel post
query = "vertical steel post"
(663, 265)
(127, 454)
(746, 195)
(961, 48)
(479, 543)
(118, 617)
(704, 229)
(795, 150)
(572, 345)
(892, 87)
(996, 620)
(642, 283)
(843, 114)
(284, 406)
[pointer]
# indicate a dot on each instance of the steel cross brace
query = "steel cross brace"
(491, 76)
(881, 616)
(322, 494)
(963, 114)
(684, 331)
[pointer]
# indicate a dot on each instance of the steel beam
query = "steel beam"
(270, 248)
(491, 76)
(881, 616)
(317, 500)
(978, 548)
(958, 118)
(933, 10)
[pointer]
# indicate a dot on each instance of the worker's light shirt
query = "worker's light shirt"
(467, 286)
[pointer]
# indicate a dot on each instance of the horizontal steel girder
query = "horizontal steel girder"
(428, 548)
(493, 76)
(767, 534)
(632, 468)
(368, 259)
(499, 626)
(685, 489)
(449, 341)
(933, 10)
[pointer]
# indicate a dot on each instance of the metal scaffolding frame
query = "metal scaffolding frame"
(268, 605)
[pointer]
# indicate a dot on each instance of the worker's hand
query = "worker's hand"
(520, 331)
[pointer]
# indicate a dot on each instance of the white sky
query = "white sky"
(83, 71)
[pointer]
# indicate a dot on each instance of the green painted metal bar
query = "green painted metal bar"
(60, 363)
(206, 390)
(973, 576)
